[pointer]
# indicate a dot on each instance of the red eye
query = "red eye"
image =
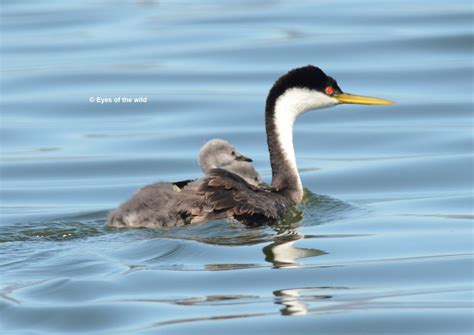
(329, 90)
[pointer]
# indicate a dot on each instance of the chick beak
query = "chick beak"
(243, 158)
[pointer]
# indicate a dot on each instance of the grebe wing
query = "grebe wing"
(229, 195)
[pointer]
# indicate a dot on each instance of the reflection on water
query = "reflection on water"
(382, 243)
(283, 252)
(292, 301)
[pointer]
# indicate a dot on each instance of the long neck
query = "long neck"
(280, 115)
(281, 111)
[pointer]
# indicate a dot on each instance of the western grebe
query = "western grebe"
(223, 194)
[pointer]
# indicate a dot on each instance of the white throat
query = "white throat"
(288, 107)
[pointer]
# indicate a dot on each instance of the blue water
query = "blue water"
(386, 242)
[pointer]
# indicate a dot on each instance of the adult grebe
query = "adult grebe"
(224, 194)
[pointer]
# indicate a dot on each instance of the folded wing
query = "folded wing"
(223, 194)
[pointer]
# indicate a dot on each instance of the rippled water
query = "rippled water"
(386, 242)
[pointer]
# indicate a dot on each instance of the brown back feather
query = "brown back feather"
(225, 194)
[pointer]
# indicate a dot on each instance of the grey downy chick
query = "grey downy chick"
(156, 205)
(219, 153)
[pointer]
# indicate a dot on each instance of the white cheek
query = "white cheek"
(300, 100)
(288, 107)
(296, 101)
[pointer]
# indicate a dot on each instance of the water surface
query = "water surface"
(386, 242)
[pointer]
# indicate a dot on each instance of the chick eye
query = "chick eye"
(233, 153)
(256, 178)
(329, 90)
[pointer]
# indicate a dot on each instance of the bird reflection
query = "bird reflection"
(294, 299)
(283, 253)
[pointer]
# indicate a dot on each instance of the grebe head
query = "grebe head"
(219, 153)
(308, 88)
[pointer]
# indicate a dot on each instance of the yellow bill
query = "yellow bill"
(346, 98)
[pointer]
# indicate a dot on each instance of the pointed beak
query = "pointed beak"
(346, 98)
(243, 158)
